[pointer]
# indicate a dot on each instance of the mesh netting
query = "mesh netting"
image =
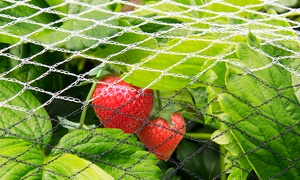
(229, 68)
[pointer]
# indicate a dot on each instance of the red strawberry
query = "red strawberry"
(120, 105)
(162, 139)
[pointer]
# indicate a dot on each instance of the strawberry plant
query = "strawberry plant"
(228, 69)
(80, 154)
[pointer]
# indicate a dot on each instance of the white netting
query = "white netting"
(231, 68)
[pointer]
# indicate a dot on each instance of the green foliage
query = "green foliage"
(230, 65)
(22, 115)
(262, 115)
(117, 153)
(66, 166)
(30, 159)
(118, 50)
(17, 29)
(260, 112)
(82, 22)
(251, 85)
(26, 130)
(30, 164)
(33, 71)
(182, 63)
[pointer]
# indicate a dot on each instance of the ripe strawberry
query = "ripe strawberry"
(162, 139)
(120, 105)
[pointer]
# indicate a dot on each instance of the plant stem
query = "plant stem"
(118, 7)
(200, 135)
(222, 162)
(158, 99)
(89, 96)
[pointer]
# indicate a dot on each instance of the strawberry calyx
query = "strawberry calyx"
(101, 72)
(162, 112)
(166, 113)
(105, 69)
(162, 139)
(164, 109)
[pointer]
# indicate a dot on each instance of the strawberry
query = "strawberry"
(162, 139)
(120, 105)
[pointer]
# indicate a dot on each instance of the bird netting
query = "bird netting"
(170, 89)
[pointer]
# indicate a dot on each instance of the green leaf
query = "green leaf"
(244, 3)
(222, 12)
(26, 72)
(278, 27)
(162, 71)
(294, 65)
(13, 29)
(167, 18)
(287, 3)
(177, 96)
(59, 7)
(81, 30)
(236, 163)
(28, 65)
(265, 85)
(143, 46)
(22, 71)
(215, 76)
(177, 68)
(246, 54)
(112, 150)
(190, 2)
(20, 159)
(264, 118)
(164, 9)
(66, 166)
(253, 40)
(199, 96)
(233, 5)
(238, 166)
(183, 101)
(286, 51)
(221, 138)
(72, 126)
(22, 116)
